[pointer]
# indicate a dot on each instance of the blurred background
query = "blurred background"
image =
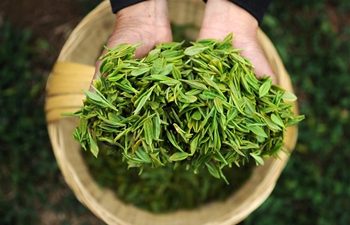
(313, 39)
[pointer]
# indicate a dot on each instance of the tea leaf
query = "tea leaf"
(93, 145)
(172, 140)
(176, 72)
(277, 120)
(265, 87)
(258, 159)
(213, 170)
(143, 155)
(194, 144)
(295, 120)
(98, 99)
(194, 50)
(148, 130)
(218, 105)
(83, 126)
(195, 84)
(196, 115)
(143, 101)
(185, 136)
(187, 98)
(166, 70)
(289, 97)
(156, 126)
(139, 71)
(259, 131)
(214, 85)
(157, 66)
(152, 55)
(178, 156)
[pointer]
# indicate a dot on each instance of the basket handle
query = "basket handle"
(64, 88)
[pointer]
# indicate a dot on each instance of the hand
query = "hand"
(146, 22)
(222, 17)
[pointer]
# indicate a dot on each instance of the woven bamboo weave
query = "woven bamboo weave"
(73, 72)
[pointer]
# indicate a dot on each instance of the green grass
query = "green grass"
(314, 187)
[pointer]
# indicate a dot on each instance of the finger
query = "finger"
(258, 59)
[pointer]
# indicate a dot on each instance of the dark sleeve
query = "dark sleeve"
(120, 4)
(256, 8)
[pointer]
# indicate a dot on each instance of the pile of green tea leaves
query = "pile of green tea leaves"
(196, 106)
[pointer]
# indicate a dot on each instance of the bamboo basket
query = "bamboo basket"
(73, 72)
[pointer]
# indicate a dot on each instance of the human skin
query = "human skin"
(148, 23)
(145, 22)
(222, 17)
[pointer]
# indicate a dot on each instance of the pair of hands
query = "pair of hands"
(148, 23)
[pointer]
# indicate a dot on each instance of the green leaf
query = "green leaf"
(195, 84)
(194, 50)
(218, 105)
(93, 145)
(143, 101)
(220, 157)
(126, 86)
(210, 95)
(213, 170)
(156, 126)
(148, 131)
(98, 99)
(139, 71)
(185, 136)
(172, 54)
(115, 77)
(295, 120)
(157, 66)
(106, 67)
(194, 144)
(249, 107)
(187, 98)
(152, 55)
(258, 130)
(166, 70)
(265, 87)
(289, 97)
(83, 126)
(214, 85)
(273, 126)
(172, 140)
(122, 133)
(143, 155)
(277, 120)
(196, 115)
(178, 156)
(176, 72)
(258, 159)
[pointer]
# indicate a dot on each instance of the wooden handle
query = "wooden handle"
(64, 88)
